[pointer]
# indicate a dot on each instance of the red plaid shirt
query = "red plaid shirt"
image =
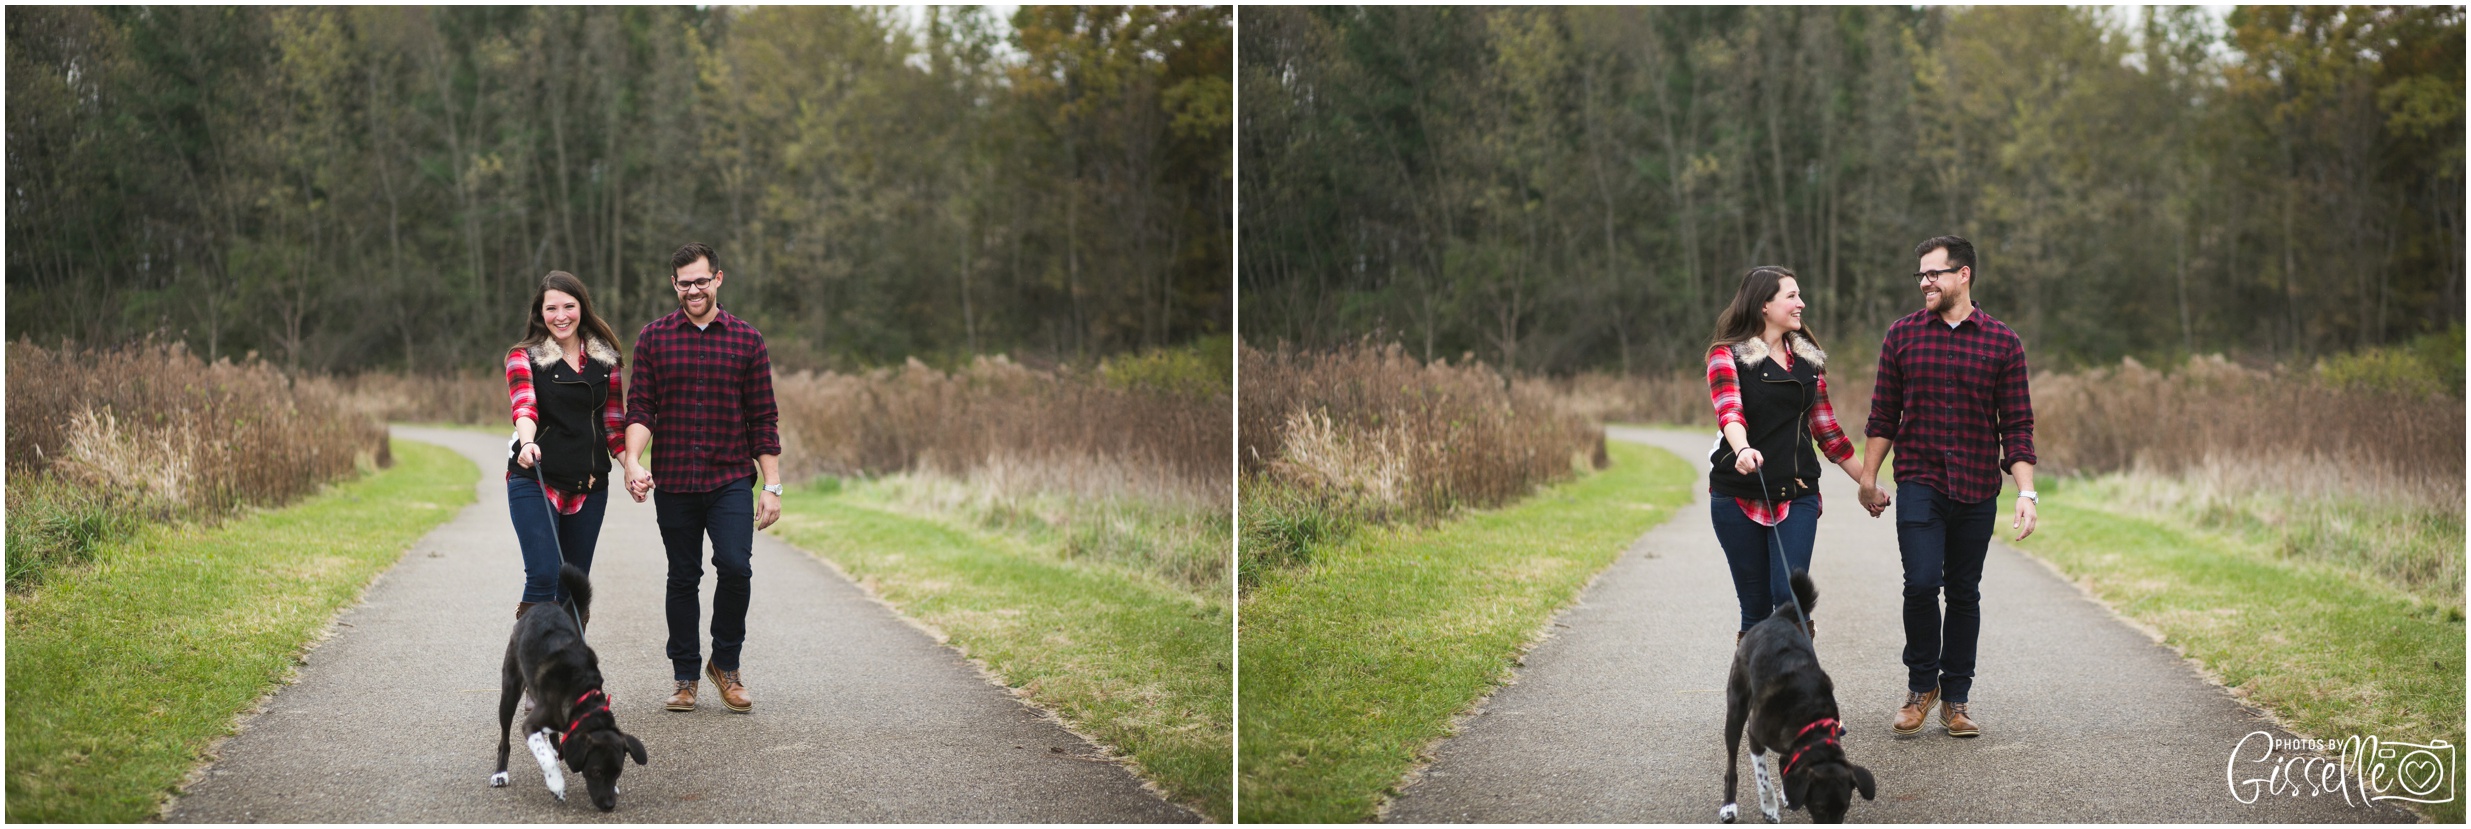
(1955, 402)
(1724, 388)
(526, 403)
(706, 394)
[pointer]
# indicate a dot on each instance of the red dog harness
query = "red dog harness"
(1835, 730)
(582, 712)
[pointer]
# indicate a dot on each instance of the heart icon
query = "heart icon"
(2418, 774)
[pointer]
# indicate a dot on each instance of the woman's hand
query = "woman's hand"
(529, 455)
(1747, 460)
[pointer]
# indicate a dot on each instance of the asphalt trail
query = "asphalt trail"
(859, 717)
(1619, 715)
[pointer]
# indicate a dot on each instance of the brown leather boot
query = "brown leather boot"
(1959, 722)
(684, 698)
(521, 607)
(1917, 709)
(733, 692)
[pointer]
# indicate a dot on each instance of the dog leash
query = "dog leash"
(555, 543)
(1778, 545)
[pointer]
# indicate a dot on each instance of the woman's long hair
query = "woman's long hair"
(1742, 320)
(593, 325)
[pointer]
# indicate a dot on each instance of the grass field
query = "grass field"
(1135, 661)
(2332, 652)
(122, 672)
(1355, 663)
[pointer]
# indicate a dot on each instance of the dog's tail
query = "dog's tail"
(578, 588)
(1804, 591)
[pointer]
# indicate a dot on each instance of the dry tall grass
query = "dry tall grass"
(97, 437)
(2365, 478)
(157, 419)
(1134, 473)
(476, 398)
(1383, 430)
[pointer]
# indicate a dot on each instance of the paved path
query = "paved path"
(1619, 716)
(858, 717)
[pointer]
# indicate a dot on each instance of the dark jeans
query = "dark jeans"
(727, 514)
(1757, 584)
(576, 535)
(1942, 543)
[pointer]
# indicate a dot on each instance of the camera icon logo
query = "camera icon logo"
(2418, 773)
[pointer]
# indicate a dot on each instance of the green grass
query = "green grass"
(1130, 659)
(1355, 663)
(2332, 653)
(122, 672)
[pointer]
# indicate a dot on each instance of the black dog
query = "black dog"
(1789, 705)
(572, 717)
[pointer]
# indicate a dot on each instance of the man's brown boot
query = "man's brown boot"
(684, 698)
(1909, 719)
(733, 692)
(1958, 721)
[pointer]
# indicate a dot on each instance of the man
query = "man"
(1951, 398)
(703, 388)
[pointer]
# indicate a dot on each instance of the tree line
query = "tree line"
(381, 188)
(1556, 189)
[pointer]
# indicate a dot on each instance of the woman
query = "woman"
(562, 381)
(1768, 380)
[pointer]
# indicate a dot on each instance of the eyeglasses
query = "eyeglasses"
(690, 284)
(1926, 276)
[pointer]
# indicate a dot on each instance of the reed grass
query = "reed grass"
(103, 440)
(1368, 435)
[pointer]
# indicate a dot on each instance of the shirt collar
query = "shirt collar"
(720, 318)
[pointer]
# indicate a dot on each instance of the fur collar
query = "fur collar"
(549, 352)
(1753, 350)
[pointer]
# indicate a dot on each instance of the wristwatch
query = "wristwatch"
(773, 488)
(2028, 495)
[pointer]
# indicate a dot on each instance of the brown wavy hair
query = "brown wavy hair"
(537, 330)
(1741, 320)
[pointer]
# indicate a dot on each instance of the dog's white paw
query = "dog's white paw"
(498, 780)
(1767, 814)
(548, 757)
(1729, 813)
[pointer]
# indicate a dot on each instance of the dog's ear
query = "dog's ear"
(1796, 785)
(577, 750)
(1863, 783)
(634, 748)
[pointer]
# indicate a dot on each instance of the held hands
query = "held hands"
(1874, 498)
(638, 481)
(1747, 460)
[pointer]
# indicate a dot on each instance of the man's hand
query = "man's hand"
(767, 510)
(638, 482)
(1746, 460)
(2025, 513)
(1875, 499)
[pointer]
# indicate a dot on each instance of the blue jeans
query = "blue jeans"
(1942, 543)
(575, 535)
(1757, 584)
(727, 514)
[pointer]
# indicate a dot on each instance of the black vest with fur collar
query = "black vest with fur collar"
(574, 440)
(1776, 402)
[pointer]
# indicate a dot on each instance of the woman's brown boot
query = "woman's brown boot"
(520, 607)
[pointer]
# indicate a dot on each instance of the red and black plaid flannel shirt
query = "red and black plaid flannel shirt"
(1954, 401)
(1724, 389)
(526, 403)
(706, 394)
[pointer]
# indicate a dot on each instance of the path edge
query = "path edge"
(1107, 752)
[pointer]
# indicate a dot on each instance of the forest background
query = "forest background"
(345, 189)
(1558, 189)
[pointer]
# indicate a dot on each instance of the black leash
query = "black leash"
(1778, 545)
(552, 511)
